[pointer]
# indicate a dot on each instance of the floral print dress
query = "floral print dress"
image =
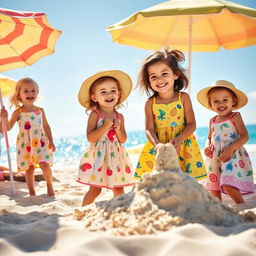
(169, 121)
(106, 163)
(32, 142)
(237, 172)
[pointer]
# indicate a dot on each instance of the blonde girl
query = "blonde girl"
(228, 164)
(34, 141)
(105, 163)
(169, 114)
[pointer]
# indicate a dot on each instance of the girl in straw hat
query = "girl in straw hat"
(228, 165)
(105, 162)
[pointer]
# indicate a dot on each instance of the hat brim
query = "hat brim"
(123, 79)
(202, 96)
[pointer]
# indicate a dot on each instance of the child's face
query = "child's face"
(106, 93)
(221, 101)
(28, 93)
(161, 77)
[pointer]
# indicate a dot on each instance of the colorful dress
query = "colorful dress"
(32, 142)
(237, 172)
(169, 122)
(106, 163)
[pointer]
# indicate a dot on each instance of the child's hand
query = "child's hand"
(52, 146)
(4, 113)
(226, 154)
(209, 151)
(117, 124)
(176, 143)
(108, 122)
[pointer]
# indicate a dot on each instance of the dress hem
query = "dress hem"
(116, 186)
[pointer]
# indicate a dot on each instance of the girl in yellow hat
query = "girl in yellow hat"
(168, 112)
(228, 164)
(105, 163)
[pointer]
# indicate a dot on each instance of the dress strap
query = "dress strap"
(179, 96)
(154, 100)
(20, 109)
(98, 113)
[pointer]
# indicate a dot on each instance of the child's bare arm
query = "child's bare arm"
(48, 131)
(94, 133)
(4, 118)
(208, 151)
(120, 129)
(149, 123)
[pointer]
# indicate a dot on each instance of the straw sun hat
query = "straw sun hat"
(202, 95)
(124, 80)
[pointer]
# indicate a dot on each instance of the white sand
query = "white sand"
(45, 226)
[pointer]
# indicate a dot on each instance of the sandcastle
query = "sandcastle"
(161, 200)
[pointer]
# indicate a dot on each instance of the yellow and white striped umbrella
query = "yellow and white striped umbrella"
(25, 37)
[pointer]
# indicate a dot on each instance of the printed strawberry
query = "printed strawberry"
(28, 148)
(86, 166)
(109, 172)
(99, 169)
(111, 135)
(42, 143)
(127, 169)
(27, 125)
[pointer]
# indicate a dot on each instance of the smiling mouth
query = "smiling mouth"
(109, 100)
(29, 98)
(161, 85)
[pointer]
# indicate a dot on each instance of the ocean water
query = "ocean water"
(71, 148)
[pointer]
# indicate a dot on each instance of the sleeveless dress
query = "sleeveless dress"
(237, 172)
(169, 122)
(32, 142)
(106, 163)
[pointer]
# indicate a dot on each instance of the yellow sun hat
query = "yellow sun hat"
(202, 95)
(124, 80)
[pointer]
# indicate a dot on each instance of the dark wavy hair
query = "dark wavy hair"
(174, 59)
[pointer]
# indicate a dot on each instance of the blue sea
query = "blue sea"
(71, 148)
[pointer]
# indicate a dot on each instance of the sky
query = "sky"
(85, 47)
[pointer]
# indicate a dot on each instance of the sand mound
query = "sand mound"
(161, 200)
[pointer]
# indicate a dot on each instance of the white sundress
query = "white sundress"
(237, 172)
(106, 163)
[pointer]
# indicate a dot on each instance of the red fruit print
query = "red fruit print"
(127, 169)
(213, 178)
(111, 135)
(42, 143)
(86, 166)
(28, 148)
(27, 125)
(118, 169)
(241, 163)
(109, 172)
(99, 169)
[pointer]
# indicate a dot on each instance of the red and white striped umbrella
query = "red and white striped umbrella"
(25, 37)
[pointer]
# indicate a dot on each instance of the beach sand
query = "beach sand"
(44, 225)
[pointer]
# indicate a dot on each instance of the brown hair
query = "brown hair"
(14, 98)
(93, 104)
(173, 58)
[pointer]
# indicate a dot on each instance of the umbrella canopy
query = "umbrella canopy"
(189, 25)
(7, 85)
(25, 37)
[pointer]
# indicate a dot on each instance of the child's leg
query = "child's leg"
(118, 191)
(29, 174)
(234, 193)
(91, 195)
(47, 172)
(216, 194)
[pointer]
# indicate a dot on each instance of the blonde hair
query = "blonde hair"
(14, 98)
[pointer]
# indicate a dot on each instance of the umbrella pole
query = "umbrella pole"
(7, 148)
(189, 53)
